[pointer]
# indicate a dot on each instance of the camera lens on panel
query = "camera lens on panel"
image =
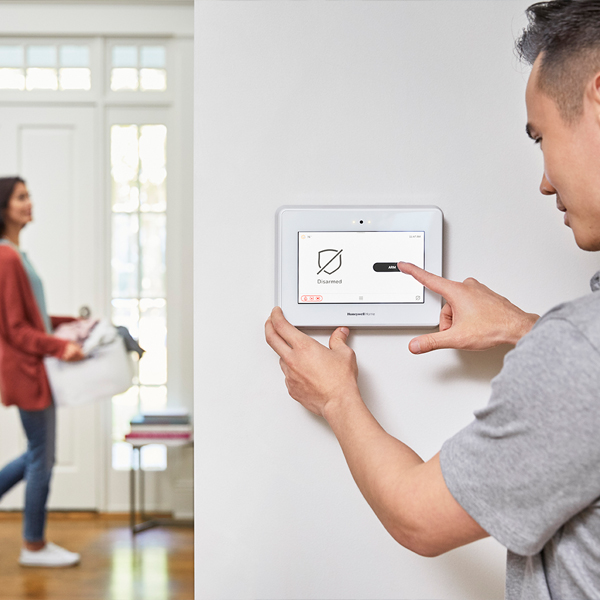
(361, 222)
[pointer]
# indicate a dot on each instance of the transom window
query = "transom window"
(67, 66)
(45, 67)
(138, 68)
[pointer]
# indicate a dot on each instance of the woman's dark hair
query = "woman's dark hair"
(566, 33)
(7, 187)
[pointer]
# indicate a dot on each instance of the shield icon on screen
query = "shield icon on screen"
(329, 261)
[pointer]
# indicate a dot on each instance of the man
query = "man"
(526, 471)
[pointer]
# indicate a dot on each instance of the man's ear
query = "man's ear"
(594, 91)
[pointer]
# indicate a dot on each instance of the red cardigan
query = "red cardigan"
(23, 338)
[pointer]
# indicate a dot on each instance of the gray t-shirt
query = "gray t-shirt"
(527, 469)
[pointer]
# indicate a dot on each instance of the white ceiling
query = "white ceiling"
(123, 2)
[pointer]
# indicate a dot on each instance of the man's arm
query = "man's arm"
(409, 496)
(473, 318)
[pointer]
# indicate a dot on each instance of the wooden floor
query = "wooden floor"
(157, 564)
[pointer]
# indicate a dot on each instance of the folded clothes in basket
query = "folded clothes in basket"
(91, 334)
(76, 331)
(107, 370)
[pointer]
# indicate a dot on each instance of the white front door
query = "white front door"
(53, 149)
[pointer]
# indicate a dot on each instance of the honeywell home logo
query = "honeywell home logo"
(365, 314)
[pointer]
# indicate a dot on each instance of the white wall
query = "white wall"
(418, 102)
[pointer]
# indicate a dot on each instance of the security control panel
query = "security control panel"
(337, 265)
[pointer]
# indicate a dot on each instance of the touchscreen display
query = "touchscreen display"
(359, 267)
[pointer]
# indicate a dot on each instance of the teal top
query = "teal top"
(36, 284)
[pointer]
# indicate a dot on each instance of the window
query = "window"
(45, 67)
(138, 68)
(139, 295)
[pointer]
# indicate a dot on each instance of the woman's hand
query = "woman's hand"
(473, 318)
(72, 353)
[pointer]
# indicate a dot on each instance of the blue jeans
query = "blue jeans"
(35, 466)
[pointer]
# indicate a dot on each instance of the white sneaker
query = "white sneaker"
(50, 555)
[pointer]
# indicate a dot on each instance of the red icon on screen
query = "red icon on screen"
(311, 298)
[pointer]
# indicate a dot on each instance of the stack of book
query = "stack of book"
(170, 427)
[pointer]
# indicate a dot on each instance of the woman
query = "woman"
(25, 338)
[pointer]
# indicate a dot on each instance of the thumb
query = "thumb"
(432, 341)
(338, 337)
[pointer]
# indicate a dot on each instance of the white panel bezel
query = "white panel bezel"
(292, 219)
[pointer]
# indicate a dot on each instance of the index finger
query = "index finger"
(437, 284)
(285, 329)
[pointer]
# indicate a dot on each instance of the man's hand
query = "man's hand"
(409, 496)
(72, 353)
(473, 318)
(315, 375)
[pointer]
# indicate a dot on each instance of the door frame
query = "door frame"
(100, 26)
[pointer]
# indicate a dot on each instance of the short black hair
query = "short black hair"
(566, 34)
(7, 187)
